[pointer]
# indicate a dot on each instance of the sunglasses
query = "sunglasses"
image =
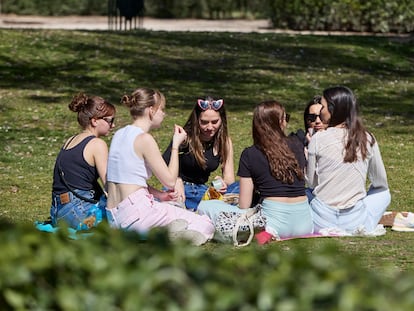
(311, 117)
(213, 104)
(109, 120)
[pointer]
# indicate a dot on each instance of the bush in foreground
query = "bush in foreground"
(113, 270)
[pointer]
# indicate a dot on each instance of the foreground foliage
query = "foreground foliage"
(112, 270)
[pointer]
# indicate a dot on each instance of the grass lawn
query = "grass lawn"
(40, 71)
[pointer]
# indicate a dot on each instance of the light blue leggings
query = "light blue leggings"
(366, 212)
(287, 219)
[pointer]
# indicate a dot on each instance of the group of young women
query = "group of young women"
(303, 185)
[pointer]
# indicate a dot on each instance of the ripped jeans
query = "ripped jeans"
(75, 212)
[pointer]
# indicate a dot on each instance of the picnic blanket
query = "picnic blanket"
(46, 226)
(265, 237)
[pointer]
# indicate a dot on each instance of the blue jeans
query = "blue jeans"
(366, 212)
(78, 214)
(195, 192)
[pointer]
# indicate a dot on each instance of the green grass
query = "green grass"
(40, 70)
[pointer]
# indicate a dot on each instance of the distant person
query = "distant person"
(273, 166)
(133, 156)
(339, 162)
(208, 146)
(81, 162)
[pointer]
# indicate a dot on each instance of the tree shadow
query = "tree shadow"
(242, 68)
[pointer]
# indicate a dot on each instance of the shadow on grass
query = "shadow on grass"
(234, 66)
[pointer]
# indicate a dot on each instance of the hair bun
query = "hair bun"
(126, 100)
(78, 102)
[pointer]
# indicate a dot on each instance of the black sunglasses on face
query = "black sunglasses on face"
(109, 120)
(311, 117)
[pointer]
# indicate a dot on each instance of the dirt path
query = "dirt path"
(101, 23)
(195, 25)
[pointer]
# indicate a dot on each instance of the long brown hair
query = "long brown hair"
(342, 106)
(270, 138)
(89, 107)
(220, 140)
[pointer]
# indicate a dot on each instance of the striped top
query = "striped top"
(334, 182)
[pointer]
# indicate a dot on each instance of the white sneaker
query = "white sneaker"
(177, 225)
(195, 237)
(403, 223)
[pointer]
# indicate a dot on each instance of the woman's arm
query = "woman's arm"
(179, 189)
(246, 192)
(228, 165)
(96, 154)
(163, 195)
(311, 178)
(146, 147)
(376, 170)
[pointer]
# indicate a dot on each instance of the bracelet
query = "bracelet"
(174, 149)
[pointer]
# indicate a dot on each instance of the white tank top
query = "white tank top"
(124, 165)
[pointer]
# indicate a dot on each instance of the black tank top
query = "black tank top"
(78, 173)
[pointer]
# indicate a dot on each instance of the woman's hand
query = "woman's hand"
(179, 189)
(179, 136)
(169, 195)
(219, 184)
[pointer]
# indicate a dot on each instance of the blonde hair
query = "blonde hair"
(142, 98)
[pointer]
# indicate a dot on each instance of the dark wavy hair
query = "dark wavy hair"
(343, 107)
(270, 138)
(193, 141)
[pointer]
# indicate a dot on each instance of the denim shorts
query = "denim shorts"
(77, 214)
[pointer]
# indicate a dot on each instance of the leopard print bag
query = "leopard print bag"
(239, 228)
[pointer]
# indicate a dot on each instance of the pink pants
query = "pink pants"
(140, 212)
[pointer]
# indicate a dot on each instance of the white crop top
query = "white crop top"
(124, 165)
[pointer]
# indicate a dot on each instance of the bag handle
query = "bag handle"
(244, 217)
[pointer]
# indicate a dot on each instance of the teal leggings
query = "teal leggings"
(287, 219)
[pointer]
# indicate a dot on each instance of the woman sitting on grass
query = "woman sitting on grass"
(312, 118)
(273, 166)
(133, 156)
(207, 147)
(339, 161)
(80, 163)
